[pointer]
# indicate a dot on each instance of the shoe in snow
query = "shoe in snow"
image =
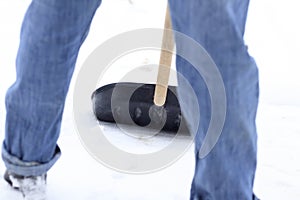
(32, 187)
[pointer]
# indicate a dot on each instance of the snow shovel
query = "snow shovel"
(152, 106)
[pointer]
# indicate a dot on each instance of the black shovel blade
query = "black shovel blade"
(132, 103)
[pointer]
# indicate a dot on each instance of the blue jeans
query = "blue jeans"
(227, 172)
(51, 36)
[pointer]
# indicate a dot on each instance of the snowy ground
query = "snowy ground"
(273, 39)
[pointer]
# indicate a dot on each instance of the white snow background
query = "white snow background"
(272, 35)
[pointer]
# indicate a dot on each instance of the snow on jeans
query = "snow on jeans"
(51, 36)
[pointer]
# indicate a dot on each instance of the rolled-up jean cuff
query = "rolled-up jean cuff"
(17, 166)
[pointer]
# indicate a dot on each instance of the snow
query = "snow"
(272, 35)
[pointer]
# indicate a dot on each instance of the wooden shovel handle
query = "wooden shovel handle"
(165, 61)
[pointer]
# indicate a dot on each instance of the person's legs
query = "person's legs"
(227, 172)
(51, 35)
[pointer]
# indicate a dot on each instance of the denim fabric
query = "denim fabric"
(52, 33)
(227, 172)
